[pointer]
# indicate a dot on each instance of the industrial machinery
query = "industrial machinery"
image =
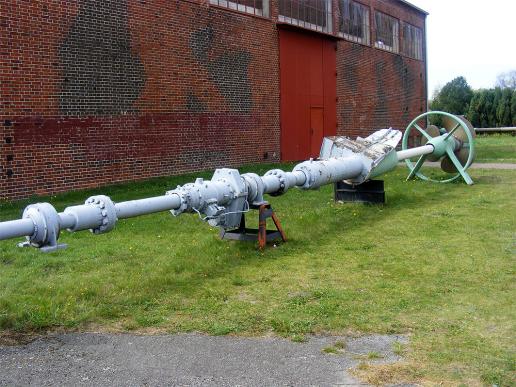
(224, 200)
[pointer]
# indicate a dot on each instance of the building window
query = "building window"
(386, 32)
(254, 7)
(354, 22)
(313, 14)
(412, 41)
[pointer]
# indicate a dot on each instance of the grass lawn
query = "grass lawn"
(436, 262)
(496, 148)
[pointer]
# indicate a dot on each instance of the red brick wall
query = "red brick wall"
(95, 92)
(375, 88)
(199, 89)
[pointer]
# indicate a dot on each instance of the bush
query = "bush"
(485, 108)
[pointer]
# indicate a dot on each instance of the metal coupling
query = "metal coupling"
(183, 197)
(283, 181)
(306, 168)
(46, 227)
(255, 188)
(107, 211)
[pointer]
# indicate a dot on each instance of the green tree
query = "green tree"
(497, 97)
(503, 109)
(455, 96)
(490, 108)
(483, 108)
(474, 109)
(435, 105)
(513, 108)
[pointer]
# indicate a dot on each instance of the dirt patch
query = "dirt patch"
(11, 338)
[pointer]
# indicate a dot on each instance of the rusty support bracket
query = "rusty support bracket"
(262, 234)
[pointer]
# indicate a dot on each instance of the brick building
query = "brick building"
(100, 91)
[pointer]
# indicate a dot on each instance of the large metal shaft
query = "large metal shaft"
(414, 152)
(16, 228)
(222, 200)
(133, 208)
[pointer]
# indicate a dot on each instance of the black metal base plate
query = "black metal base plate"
(262, 234)
(248, 234)
(371, 191)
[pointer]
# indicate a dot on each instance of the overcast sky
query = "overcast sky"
(472, 38)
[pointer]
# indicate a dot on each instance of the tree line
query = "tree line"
(485, 108)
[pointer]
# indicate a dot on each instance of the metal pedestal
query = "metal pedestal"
(371, 191)
(262, 235)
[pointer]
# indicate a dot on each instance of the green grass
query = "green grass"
(496, 148)
(373, 355)
(331, 350)
(336, 349)
(436, 262)
(398, 348)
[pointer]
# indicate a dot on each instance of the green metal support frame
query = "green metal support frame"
(443, 145)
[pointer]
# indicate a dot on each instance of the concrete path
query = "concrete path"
(187, 360)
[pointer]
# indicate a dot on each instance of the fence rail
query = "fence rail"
(497, 130)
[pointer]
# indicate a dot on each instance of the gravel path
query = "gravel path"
(474, 165)
(187, 360)
(492, 166)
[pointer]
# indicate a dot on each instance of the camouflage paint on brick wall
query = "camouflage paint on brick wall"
(101, 92)
(101, 74)
(229, 70)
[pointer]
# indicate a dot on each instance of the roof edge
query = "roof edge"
(413, 6)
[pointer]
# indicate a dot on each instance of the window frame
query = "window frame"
(366, 40)
(329, 12)
(244, 9)
(395, 32)
(416, 49)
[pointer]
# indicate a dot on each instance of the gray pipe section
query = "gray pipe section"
(312, 174)
(85, 217)
(16, 228)
(322, 172)
(139, 207)
(414, 152)
(67, 220)
(271, 184)
(272, 181)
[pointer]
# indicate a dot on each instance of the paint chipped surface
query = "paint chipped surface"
(373, 147)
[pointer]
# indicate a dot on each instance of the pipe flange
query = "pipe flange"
(192, 195)
(107, 210)
(184, 204)
(255, 188)
(252, 187)
(46, 225)
(309, 178)
(282, 177)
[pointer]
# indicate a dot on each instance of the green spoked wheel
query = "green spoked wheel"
(453, 146)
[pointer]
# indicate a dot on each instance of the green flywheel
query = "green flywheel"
(453, 144)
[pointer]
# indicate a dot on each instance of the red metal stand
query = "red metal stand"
(262, 235)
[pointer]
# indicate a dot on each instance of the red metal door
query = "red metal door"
(308, 93)
(316, 130)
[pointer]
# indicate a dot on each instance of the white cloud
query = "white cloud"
(469, 38)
